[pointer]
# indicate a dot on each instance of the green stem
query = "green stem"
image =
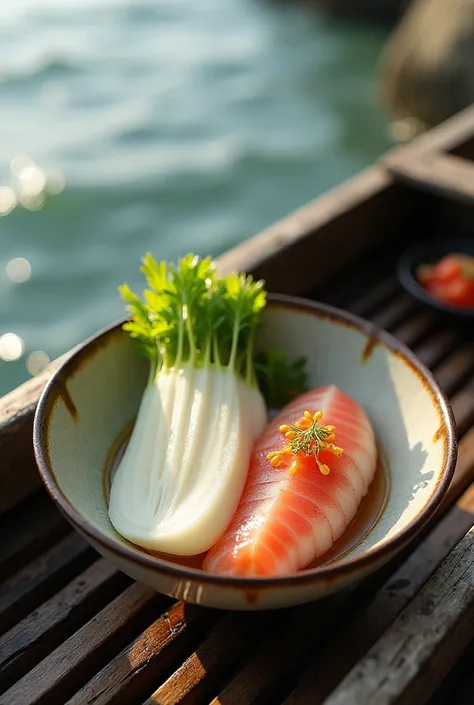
(249, 373)
(179, 354)
(217, 360)
(192, 343)
(235, 340)
(207, 352)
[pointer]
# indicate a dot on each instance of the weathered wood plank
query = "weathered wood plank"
(212, 663)
(375, 298)
(415, 329)
(31, 528)
(452, 689)
(437, 347)
(296, 632)
(16, 432)
(445, 137)
(462, 686)
(463, 474)
(26, 589)
(297, 254)
(395, 313)
(329, 666)
(135, 671)
(443, 174)
(412, 657)
(31, 639)
(355, 281)
(463, 408)
(432, 162)
(77, 659)
(456, 369)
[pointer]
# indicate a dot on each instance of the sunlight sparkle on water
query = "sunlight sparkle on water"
(18, 270)
(55, 183)
(11, 347)
(8, 200)
(19, 163)
(32, 202)
(32, 180)
(32, 185)
(36, 362)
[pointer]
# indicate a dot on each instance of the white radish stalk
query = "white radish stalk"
(180, 480)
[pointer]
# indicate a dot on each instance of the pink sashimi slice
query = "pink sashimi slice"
(284, 521)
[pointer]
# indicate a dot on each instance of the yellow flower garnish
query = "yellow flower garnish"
(308, 438)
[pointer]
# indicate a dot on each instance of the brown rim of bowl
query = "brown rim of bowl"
(330, 571)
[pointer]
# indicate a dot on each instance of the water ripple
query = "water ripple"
(178, 126)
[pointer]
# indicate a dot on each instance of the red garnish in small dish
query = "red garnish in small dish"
(451, 280)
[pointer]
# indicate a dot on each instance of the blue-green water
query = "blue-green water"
(178, 125)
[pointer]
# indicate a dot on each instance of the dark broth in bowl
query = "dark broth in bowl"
(367, 515)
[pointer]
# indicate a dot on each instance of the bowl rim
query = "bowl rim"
(339, 569)
(435, 248)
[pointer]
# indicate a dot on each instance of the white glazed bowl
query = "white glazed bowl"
(92, 397)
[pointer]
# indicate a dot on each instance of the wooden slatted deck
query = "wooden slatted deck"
(75, 630)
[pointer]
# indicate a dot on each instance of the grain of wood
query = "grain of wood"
(31, 639)
(213, 662)
(463, 408)
(30, 528)
(30, 586)
(427, 164)
(16, 432)
(411, 657)
(456, 369)
(437, 347)
(131, 674)
(79, 657)
(297, 253)
(443, 174)
(395, 312)
(329, 665)
(444, 137)
(379, 295)
(354, 283)
(463, 474)
(280, 655)
(416, 329)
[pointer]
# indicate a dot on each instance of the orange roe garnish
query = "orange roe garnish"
(307, 438)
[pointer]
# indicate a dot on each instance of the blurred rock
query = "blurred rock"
(427, 68)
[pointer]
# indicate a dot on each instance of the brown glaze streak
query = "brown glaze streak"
(94, 345)
(369, 347)
(438, 435)
(327, 574)
(63, 392)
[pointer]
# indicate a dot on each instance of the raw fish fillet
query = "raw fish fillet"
(287, 518)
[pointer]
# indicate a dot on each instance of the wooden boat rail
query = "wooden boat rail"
(74, 630)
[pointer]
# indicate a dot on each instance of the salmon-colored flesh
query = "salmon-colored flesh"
(285, 521)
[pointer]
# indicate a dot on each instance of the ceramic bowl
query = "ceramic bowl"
(430, 252)
(96, 393)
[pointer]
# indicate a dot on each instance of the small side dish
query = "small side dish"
(450, 280)
(203, 471)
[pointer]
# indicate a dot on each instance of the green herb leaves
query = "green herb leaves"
(280, 380)
(190, 316)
